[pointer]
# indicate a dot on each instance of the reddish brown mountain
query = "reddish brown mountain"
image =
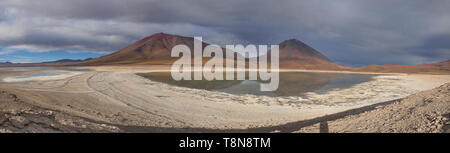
(295, 54)
(435, 68)
(150, 49)
(156, 49)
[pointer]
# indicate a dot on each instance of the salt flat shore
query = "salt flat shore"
(115, 99)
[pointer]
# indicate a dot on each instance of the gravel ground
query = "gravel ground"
(423, 112)
(18, 116)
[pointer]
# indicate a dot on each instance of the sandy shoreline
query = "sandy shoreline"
(117, 96)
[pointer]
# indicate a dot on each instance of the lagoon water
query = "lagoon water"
(37, 75)
(44, 68)
(291, 83)
(42, 71)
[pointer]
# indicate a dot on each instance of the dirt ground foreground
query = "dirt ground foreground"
(114, 99)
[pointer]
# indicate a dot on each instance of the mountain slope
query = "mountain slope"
(295, 54)
(435, 68)
(155, 49)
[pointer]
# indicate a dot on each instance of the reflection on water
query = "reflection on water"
(291, 83)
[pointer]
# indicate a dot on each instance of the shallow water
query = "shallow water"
(291, 83)
(37, 75)
(44, 68)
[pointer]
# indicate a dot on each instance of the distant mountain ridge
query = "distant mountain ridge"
(67, 60)
(61, 62)
(434, 68)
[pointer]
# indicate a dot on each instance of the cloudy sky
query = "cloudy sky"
(351, 32)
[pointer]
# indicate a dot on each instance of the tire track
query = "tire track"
(114, 89)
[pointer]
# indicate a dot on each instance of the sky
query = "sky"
(350, 32)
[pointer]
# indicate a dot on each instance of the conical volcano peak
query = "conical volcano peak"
(292, 43)
(161, 36)
(294, 48)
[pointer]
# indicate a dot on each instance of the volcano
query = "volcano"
(155, 49)
(295, 54)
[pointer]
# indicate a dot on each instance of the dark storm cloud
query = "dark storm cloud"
(435, 46)
(437, 42)
(348, 31)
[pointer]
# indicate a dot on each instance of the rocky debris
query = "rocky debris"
(18, 116)
(423, 112)
(446, 127)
